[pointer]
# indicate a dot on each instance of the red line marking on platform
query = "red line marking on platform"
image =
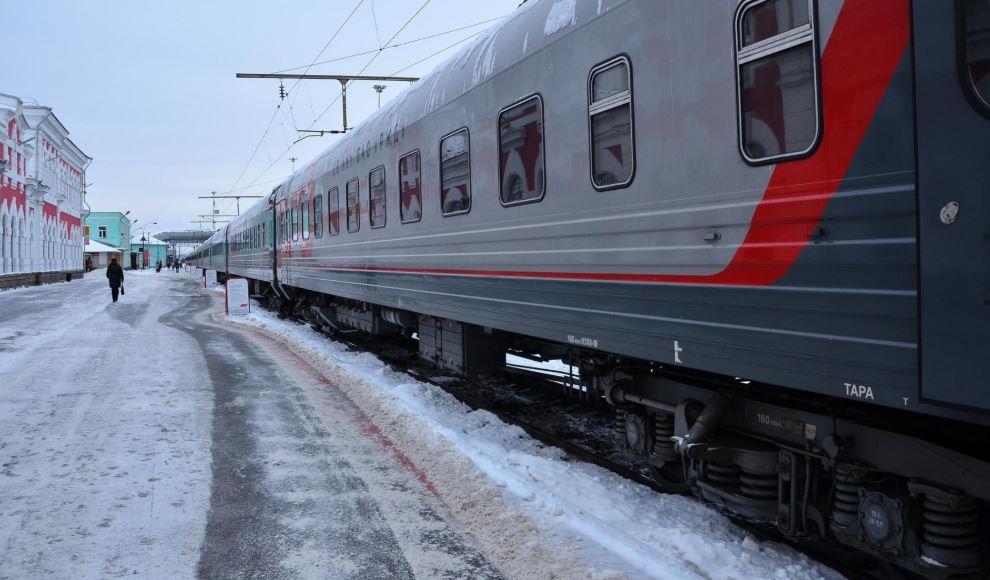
(367, 425)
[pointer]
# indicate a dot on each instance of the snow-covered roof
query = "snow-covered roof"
(94, 247)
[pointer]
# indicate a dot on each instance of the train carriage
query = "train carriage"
(759, 227)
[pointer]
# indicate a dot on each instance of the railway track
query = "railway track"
(583, 430)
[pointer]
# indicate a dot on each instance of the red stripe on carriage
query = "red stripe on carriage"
(857, 65)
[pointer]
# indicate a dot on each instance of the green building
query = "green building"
(114, 229)
(150, 253)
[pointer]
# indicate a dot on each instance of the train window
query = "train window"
(520, 145)
(376, 197)
(304, 210)
(410, 188)
(353, 205)
(610, 108)
(333, 211)
(318, 216)
(976, 49)
(777, 79)
(294, 224)
(455, 173)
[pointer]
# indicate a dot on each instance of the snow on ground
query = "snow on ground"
(104, 458)
(619, 528)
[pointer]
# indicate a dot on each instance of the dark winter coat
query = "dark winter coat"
(115, 274)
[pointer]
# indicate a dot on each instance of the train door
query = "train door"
(281, 239)
(270, 233)
(952, 75)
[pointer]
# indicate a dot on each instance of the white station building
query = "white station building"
(42, 196)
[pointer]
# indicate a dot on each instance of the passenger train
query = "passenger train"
(759, 228)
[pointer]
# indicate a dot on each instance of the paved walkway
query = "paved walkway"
(143, 438)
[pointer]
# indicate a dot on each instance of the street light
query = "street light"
(144, 241)
(379, 89)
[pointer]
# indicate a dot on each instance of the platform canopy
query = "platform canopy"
(184, 236)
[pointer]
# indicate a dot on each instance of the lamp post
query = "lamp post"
(379, 89)
(144, 242)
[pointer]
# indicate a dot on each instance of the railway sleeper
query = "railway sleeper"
(812, 476)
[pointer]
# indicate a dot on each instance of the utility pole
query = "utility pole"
(343, 79)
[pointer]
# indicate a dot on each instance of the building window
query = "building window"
(778, 79)
(101, 232)
(520, 145)
(353, 205)
(304, 210)
(376, 197)
(976, 47)
(295, 224)
(318, 216)
(455, 173)
(410, 188)
(333, 211)
(613, 155)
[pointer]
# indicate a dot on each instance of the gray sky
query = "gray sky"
(148, 90)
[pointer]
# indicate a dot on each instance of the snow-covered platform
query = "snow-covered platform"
(155, 437)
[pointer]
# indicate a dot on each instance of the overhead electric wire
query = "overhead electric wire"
(461, 41)
(279, 106)
(367, 64)
(374, 19)
(337, 98)
(388, 45)
(397, 45)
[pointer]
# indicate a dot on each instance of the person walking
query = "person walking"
(115, 274)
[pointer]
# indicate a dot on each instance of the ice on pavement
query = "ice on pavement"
(619, 527)
(104, 458)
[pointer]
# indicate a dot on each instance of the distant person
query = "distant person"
(158, 267)
(115, 274)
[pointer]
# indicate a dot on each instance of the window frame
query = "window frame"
(335, 190)
(769, 47)
(402, 219)
(317, 213)
(543, 145)
(294, 222)
(304, 222)
(973, 95)
(470, 172)
(371, 222)
(347, 206)
(604, 106)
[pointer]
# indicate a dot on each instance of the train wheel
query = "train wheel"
(671, 476)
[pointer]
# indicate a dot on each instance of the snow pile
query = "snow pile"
(562, 14)
(616, 524)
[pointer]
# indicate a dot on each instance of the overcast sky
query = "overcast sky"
(148, 90)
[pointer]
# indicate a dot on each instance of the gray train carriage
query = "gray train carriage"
(758, 227)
